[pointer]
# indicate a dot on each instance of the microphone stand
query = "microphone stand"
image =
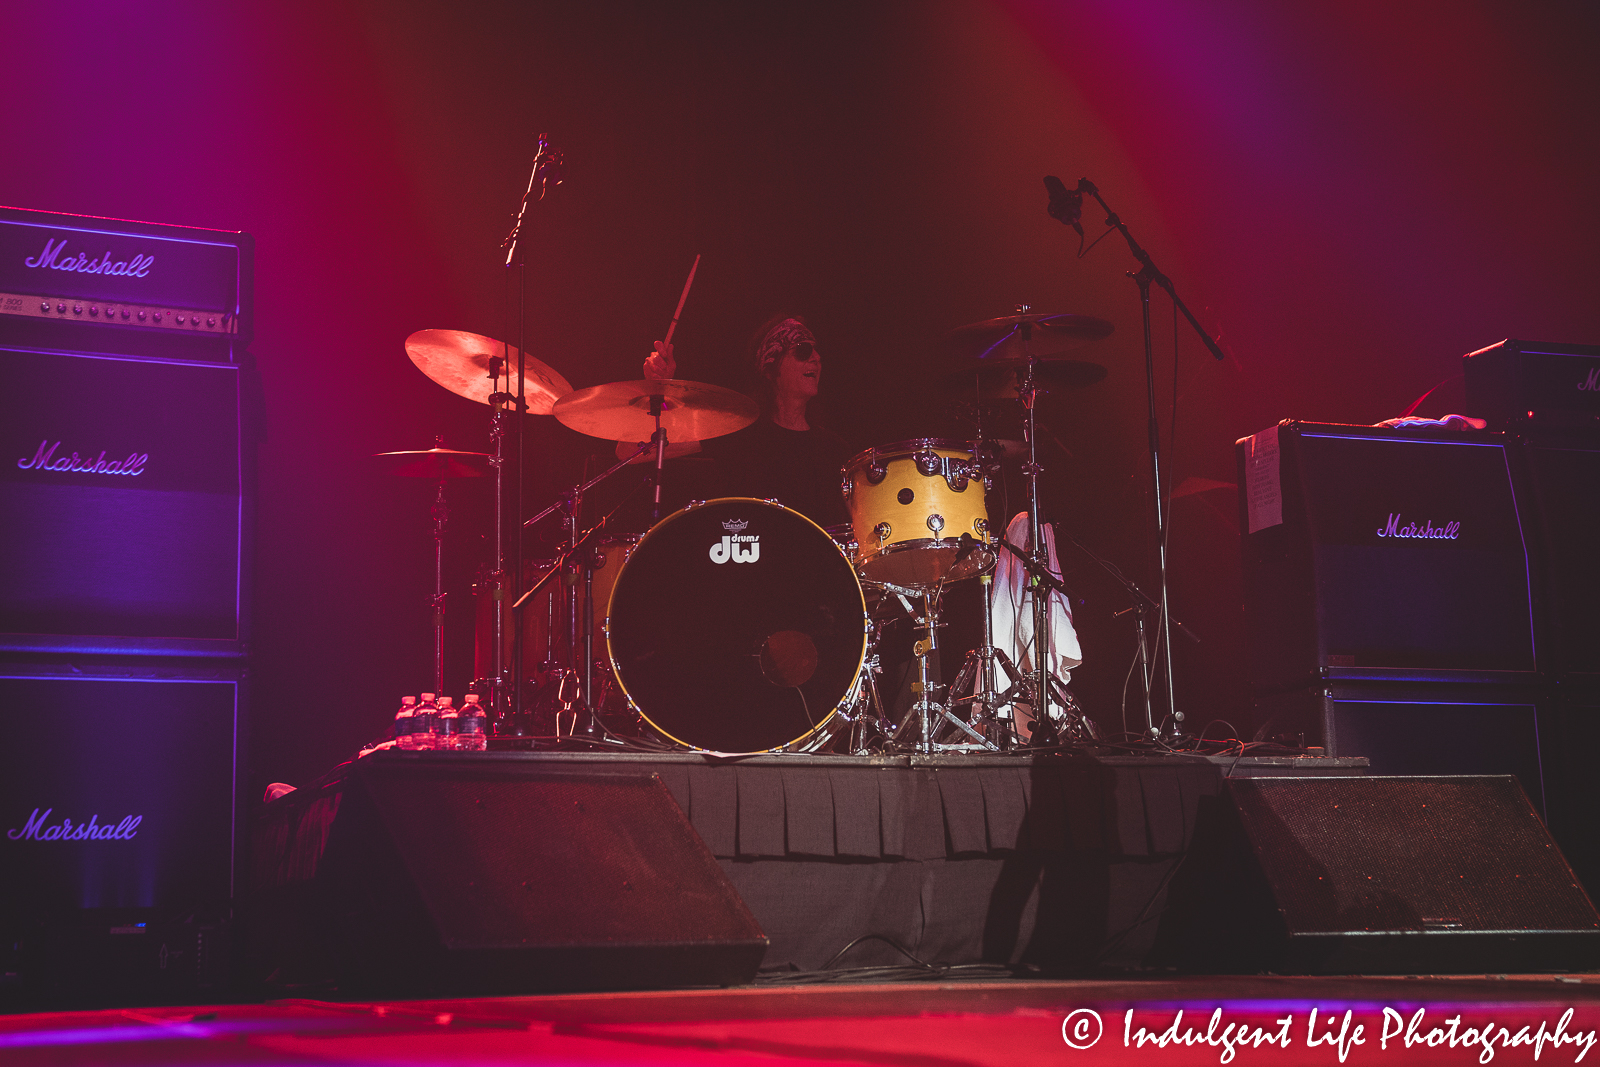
(1147, 273)
(506, 692)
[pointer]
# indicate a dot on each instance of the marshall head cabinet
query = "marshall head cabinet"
(1518, 384)
(1383, 554)
(122, 467)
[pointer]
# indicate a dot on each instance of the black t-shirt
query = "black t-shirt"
(798, 468)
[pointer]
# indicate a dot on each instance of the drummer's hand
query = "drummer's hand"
(659, 365)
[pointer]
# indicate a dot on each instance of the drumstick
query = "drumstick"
(673, 325)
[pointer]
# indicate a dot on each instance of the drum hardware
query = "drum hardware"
(1069, 725)
(1066, 205)
(928, 719)
(578, 628)
(991, 707)
(440, 464)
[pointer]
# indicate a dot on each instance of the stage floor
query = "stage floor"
(906, 1024)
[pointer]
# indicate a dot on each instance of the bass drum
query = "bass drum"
(738, 625)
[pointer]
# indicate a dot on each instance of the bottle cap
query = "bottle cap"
(445, 702)
(427, 696)
(470, 698)
(408, 700)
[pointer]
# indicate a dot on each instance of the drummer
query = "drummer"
(784, 455)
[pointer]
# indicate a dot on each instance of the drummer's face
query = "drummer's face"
(799, 372)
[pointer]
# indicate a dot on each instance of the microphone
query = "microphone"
(1066, 205)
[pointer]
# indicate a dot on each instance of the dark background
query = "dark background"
(1351, 195)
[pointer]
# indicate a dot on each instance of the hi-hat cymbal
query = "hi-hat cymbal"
(690, 411)
(459, 361)
(1015, 338)
(999, 381)
(435, 463)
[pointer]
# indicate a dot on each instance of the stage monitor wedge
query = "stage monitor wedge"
(1377, 876)
(453, 877)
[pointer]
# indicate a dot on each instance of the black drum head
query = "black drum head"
(738, 626)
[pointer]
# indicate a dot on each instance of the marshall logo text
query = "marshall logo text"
(1428, 531)
(38, 828)
(56, 257)
(46, 460)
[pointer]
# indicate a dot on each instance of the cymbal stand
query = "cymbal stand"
(441, 516)
(503, 700)
(1028, 392)
(1075, 725)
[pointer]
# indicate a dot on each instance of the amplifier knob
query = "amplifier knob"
(94, 309)
(61, 309)
(45, 306)
(77, 309)
(210, 321)
(180, 320)
(125, 313)
(155, 316)
(141, 316)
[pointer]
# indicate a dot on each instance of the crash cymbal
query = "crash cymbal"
(691, 411)
(435, 463)
(459, 361)
(1002, 339)
(999, 381)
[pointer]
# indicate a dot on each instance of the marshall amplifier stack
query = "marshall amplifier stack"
(1546, 397)
(1389, 599)
(1425, 597)
(124, 591)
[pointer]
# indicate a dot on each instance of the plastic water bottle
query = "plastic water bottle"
(425, 724)
(404, 719)
(472, 730)
(446, 728)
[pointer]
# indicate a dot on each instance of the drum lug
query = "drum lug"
(927, 461)
(882, 530)
(980, 526)
(936, 522)
(694, 504)
(847, 485)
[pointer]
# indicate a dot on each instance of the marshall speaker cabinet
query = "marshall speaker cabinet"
(1383, 555)
(123, 484)
(1534, 384)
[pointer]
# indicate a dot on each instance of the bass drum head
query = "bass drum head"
(737, 625)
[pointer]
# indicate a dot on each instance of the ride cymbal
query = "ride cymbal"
(459, 361)
(690, 411)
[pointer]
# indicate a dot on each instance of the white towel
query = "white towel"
(1013, 611)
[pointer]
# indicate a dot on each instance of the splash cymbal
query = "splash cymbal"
(690, 411)
(459, 361)
(1015, 338)
(435, 463)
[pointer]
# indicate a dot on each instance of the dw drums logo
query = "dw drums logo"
(736, 545)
